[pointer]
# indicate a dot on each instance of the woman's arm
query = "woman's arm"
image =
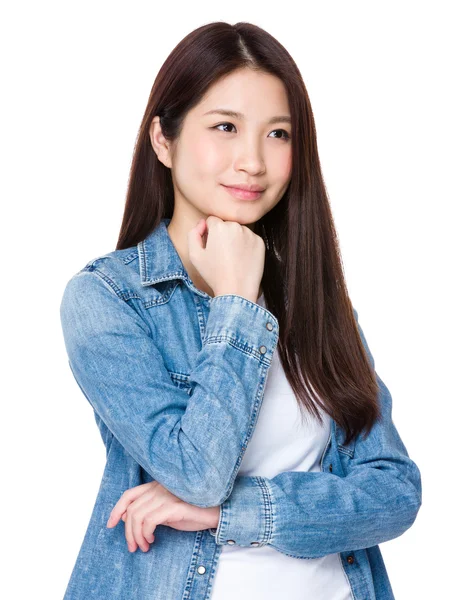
(311, 514)
(192, 451)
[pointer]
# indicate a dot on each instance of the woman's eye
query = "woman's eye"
(283, 131)
(216, 126)
(286, 135)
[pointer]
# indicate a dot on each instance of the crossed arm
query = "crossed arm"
(194, 450)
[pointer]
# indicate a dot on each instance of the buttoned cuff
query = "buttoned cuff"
(246, 325)
(246, 517)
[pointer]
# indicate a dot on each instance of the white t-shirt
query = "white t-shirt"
(280, 442)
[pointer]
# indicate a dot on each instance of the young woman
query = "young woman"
(251, 451)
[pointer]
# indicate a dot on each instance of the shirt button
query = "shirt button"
(231, 542)
(350, 559)
(269, 326)
(255, 543)
(262, 349)
(201, 570)
(331, 468)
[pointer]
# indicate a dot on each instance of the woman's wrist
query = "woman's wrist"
(214, 516)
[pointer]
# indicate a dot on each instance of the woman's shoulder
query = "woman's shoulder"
(118, 269)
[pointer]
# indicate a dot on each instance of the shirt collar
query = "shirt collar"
(158, 258)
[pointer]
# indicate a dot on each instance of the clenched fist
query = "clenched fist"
(229, 256)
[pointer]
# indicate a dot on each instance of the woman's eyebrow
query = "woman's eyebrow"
(238, 115)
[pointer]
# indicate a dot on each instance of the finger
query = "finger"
(152, 519)
(138, 517)
(204, 233)
(121, 506)
(157, 517)
(132, 546)
(134, 517)
(195, 237)
(201, 226)
(150, 523)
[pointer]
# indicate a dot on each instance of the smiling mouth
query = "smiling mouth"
(242, 194)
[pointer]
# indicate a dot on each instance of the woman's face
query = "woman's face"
(216, 150)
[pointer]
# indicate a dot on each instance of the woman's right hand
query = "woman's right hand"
(232, 259)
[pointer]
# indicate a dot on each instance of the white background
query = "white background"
(386, 85)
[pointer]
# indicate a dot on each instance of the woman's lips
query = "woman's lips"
(242, 194)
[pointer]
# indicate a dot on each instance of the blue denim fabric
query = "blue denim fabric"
(176, 379)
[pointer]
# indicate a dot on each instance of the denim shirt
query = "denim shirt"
(176, 380)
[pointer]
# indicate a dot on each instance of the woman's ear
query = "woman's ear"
(160, 144)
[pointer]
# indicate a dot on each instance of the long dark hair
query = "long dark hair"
(303, 282)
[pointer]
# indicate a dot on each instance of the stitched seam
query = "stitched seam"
(130, 257)
(249, 350)
(346, 576)
(268, 508)
(107, 279)
(260, 309)
(345, 450)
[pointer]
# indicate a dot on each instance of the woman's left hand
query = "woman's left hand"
(145, 506)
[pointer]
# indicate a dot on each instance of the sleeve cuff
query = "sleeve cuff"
(246, 517)
(245, 324)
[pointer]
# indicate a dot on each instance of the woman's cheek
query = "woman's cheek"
(213, 158)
